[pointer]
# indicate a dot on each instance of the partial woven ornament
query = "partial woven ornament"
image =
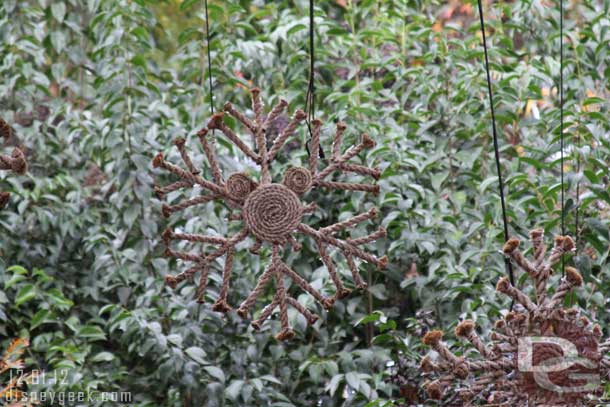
(15, 162)
(270, 211)
(541, 354)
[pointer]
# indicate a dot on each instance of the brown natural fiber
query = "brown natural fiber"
(497, 378)
(239, 186)
(270, 212)
(298, 180)
(16, 162)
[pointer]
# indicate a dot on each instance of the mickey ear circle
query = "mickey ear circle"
(298, 180)
(239, 186)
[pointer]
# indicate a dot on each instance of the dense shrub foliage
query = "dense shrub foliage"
(94, 89)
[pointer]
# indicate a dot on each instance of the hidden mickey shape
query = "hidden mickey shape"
(270, 212)
(542, 354)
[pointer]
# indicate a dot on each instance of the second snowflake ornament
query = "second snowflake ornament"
(271, 211)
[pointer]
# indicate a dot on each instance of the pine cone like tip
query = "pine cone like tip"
(255, 91)
(171, 281)
(341, 126)
(242, 313)
(499, 324)
(559, 241)
(158, 160)
(4, 198)
(466, 395)
(536, 233)
(464, 328)
(433, 338)
(202, 133)
(179, 142)
(426, 364)
(300, 114)
(597, 330)
(221, 306)
(519, 317)
(167, 234)
(368, 141)
(19, 166)
(503, 285)
(568, 244)
(5, 128)
(434, 390)
(316, 122)
(285, 335)
(383, 262)
(511, 245)
(256, 325)
(312, 320)
(215, 121)
(584, 321)
(283, 102)
(511, 316)
(573, 276)
(461, 369)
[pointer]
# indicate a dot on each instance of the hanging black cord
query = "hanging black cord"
(311, 87)
(561, 142)
(310, 103)
(207, 37)
(508, 264)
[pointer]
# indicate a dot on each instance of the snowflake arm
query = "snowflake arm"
(270, 212)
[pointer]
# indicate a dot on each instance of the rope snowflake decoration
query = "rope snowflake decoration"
(526, 363)
(15, 162)
(270, 212)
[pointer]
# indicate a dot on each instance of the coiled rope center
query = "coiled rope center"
(272, 212)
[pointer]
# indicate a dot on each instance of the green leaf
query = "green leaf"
(186, 4)
(103, 357)
(216, 372)
(39, 318)
(58, 9)
(14, 280)
(197, 354)
(93, 332)
(17, 270)
(353, 380)
(233, 390)
(26, 293)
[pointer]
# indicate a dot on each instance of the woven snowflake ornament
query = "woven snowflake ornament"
(541, 354)
(271, 211)
(15, 162)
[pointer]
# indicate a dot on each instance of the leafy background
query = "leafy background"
(94, 89)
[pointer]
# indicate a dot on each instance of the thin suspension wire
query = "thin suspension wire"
(508, 264)
(311, 87)
(207, 38)
(310, 102)
(563, 212)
